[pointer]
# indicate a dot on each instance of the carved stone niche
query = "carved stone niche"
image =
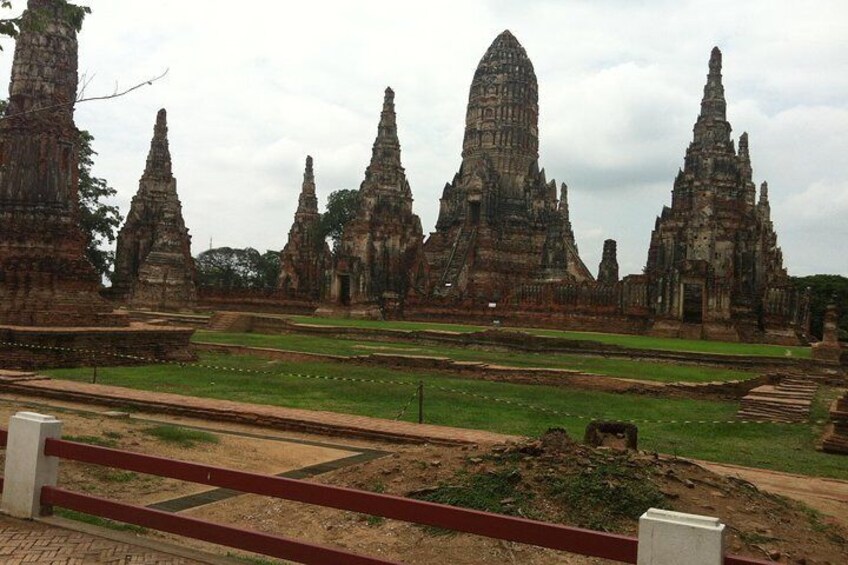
(618, 435)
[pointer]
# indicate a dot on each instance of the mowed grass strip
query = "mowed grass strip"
(789, 448)
(622, 368)
(624, 340)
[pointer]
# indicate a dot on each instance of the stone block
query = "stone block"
(673, 538)
(27, 468)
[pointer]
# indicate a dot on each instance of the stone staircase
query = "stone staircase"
(228, 322)
(459, 254)
(787, 401)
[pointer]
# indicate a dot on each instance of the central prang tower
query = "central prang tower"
(502, 120)
(500, 223)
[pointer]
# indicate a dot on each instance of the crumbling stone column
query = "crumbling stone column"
(608, 269)
(45, 277)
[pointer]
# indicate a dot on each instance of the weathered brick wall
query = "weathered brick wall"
(64, 347)
(271, 301)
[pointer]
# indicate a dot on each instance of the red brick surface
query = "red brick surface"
(24, 541)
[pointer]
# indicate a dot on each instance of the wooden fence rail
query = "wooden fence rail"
(553, 536)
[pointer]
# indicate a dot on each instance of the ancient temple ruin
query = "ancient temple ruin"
(380, 258)
(51, 313)
(306, 257)
(45, 277)
(714, 266)
(500, 222)
(153, 263)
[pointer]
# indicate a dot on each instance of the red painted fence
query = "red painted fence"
(553, 536)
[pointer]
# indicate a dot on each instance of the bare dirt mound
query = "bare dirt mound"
(553, 479)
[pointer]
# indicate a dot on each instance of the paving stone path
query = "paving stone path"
(24, 541)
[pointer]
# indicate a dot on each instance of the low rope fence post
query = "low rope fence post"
(420, 402)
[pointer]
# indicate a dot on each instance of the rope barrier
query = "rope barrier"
(205, 366)
(535, 408)
(407, 405)
(555, 412)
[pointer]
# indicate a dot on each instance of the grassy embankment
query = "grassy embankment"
(624, 340)
(781, 447)
(623, 368)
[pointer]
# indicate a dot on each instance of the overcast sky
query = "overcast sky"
(254, 86)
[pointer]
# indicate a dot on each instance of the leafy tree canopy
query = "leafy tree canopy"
(226, 267)
(73, 14)
(823, 290)
(342, 206)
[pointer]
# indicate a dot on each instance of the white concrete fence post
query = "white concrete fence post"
(672, 538)
(27, 468)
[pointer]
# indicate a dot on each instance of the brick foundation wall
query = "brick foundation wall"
(38, 348)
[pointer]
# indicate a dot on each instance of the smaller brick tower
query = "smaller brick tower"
(153, 263)
(305, 257)
(381, 257)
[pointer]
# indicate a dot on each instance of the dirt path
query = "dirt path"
(829, 496)
(258, 455)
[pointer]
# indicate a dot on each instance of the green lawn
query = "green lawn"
(624, 368)
(635, 341)
(782, 447)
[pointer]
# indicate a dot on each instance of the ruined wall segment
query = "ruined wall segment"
(714, 266)
(306, 257)
(500, 222)
(153, 263)
(45, 278)
(380, 260)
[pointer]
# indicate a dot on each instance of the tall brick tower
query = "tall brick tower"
(45, 278)
(500, 222)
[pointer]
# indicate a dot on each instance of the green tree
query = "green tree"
(268, 269)
(230, 268)
(823, 290)
(99, 220)
(11, 27)
(342, 206)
